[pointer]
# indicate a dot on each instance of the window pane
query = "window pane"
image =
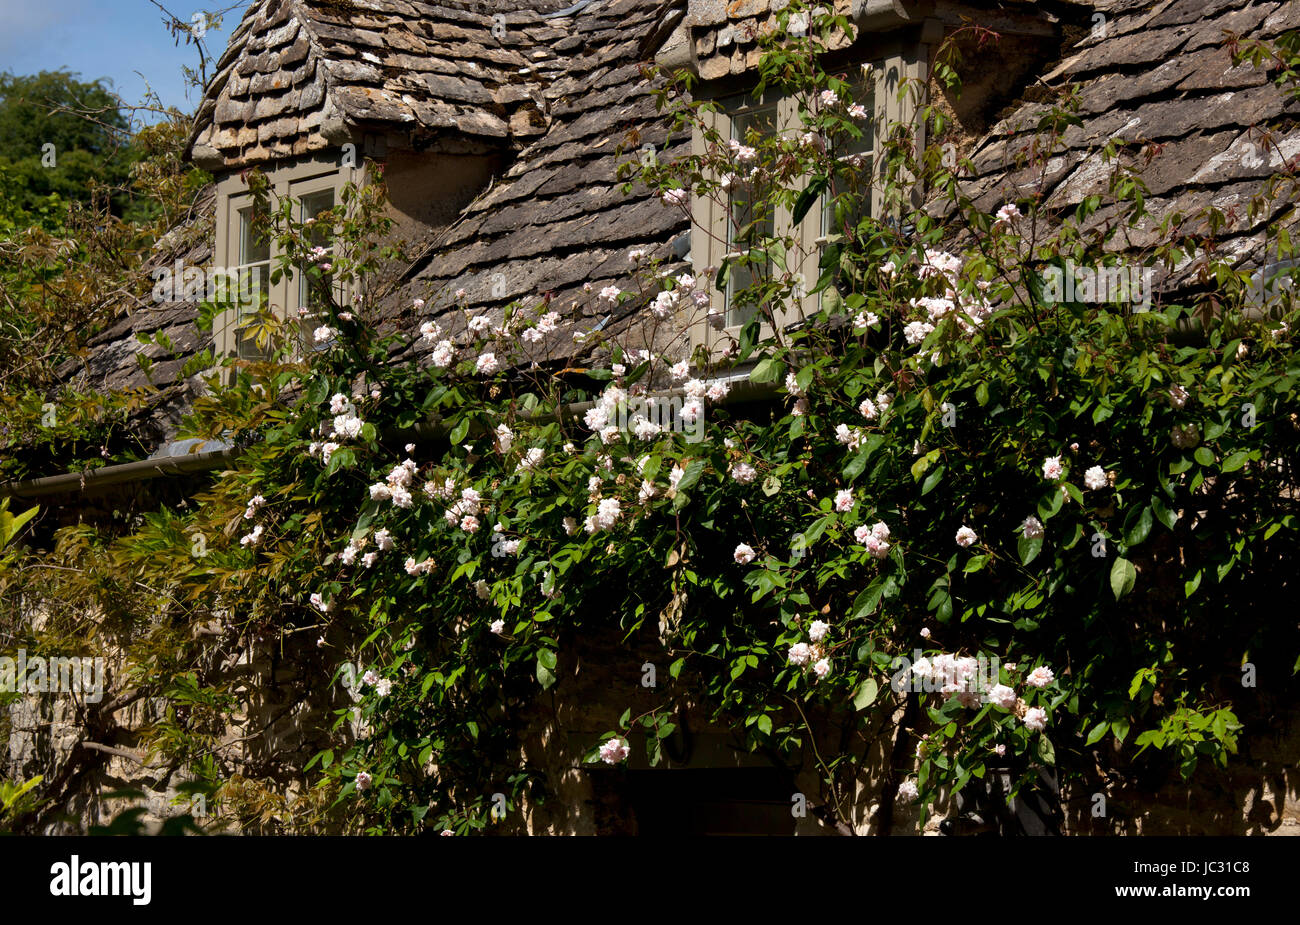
(310, 207)
(856, 154)
(857, 160)
(254, 246)
(746, 126)
(251, 293)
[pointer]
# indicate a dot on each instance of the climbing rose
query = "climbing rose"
(1040, 677)
(907, 791)
(363, 780)
(442, 354)
(1052, 468)
(799, 654)
(744, 554)
(743, 473)
(966, 536)
(498, 627)
(614, 751)
(844, 501)
(822, 668)
(1002, 696)
(1032, 528)
(1095, 478)
(817, 630)
(1035, 719)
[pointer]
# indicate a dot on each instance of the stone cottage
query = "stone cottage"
(500, 127)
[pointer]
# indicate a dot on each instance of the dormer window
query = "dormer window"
(248, 254)
(729, 228)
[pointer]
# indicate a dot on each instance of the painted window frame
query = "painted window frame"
(296, 180)
(906, 62)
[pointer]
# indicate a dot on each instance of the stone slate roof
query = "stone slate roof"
(559, 218)
(1159, 74)
(724, 34)
(302, 75)
(112, 360)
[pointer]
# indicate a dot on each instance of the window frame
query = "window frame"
(710, 217)
(291, 180)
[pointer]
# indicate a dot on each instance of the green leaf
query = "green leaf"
(1122, 577)
(764, 724)
(1097, 732)
(694, 470)
(811, 194)
(1045, 750)
(342, 458)
(868, 598)
(545, 668)
(1165, 514)
(1049, 505)
(1189, 587)
(1029, 549)
(767, 370)
(1140, 528)
(866, 694)
(932, 480)
(858, 463)
(1235, 461)
(922, 464)
(1204, 456)
(459, 432)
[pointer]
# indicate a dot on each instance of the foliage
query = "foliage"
(81, 122)
(952, 459)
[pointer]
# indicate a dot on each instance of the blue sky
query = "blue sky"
(124, 41)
